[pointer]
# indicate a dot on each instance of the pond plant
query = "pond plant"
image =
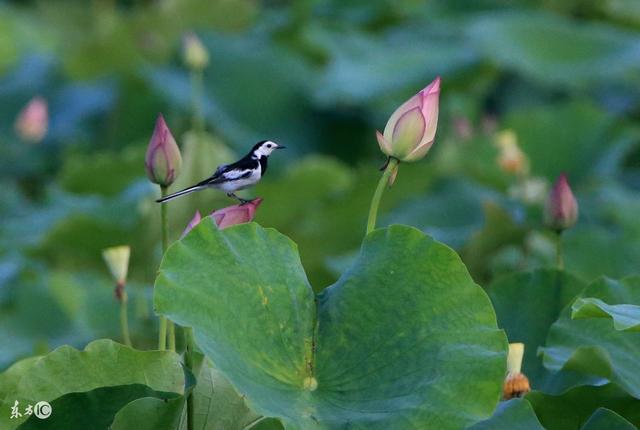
(403, 339)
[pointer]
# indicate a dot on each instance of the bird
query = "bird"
(230, 178)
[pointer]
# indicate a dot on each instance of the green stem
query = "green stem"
(171, 328)
(162, 336)
(124, 320)
(197, 94)
(559, 256)
(375, 201)
(188, 362)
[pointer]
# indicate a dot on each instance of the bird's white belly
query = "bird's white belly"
(240, 184)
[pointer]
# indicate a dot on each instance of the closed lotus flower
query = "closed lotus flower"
(236, 214)
(163, 160)
(32, 122)
(561, 210)
(411, 129)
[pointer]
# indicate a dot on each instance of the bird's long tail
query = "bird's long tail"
(180, 193)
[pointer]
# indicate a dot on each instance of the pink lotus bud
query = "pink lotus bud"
(194, 222)
(163, 160)
(195, 54)
(561, 210)
(410, 131)
(33, 120)
(237, 214)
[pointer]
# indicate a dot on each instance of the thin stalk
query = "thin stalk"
(559, 256)
(162, 336)
(171, 328)
(124, 320)
(188, 362)
(382, 184)
(198, 124)
(197, 95)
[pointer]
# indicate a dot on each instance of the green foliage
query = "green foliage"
(573, 408)
(624, 316)
(527, 304)
(320, 77)
(514, 414)
(605, 419)
(104, 377)
(255, 315)
(593, 347)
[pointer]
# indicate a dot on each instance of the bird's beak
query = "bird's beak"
(281, 147)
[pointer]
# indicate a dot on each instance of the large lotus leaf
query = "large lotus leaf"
(217, 405)
(150, 413)
(573, 408)
(555, 50)
(527, 304)
(625, 317)
(605, 419)
(403, 340)
(103, 364)
(617, 350)
(514, 414)
(95, 409)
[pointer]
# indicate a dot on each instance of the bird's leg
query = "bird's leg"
(240, 199)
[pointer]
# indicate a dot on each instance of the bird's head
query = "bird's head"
(265, 148)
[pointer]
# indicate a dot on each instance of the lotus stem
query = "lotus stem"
(162, 336)
(559, 256)
(197, 94)
(124, 319)
(392, 163)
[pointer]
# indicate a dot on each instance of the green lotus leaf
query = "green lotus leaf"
(150, 413)
(527, 304)
(605, 419)
(625, 317)
(404, 339)
(573, 408)
(88, 386)
(615, 350)
(514, 414)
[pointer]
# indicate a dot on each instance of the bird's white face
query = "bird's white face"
(266, 149)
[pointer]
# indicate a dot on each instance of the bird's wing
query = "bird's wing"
(230, 172)
(229, 175)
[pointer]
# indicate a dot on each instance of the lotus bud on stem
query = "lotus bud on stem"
(117, 260)
(162, 164)
(408, 136)
(516, 383)
(560, 213)
(196, 58)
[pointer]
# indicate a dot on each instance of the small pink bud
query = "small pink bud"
(163, 160)
(561, 209)
(33, 120)
(411, 129)
(237, 214)
(194, 222)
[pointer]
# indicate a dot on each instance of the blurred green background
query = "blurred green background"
(319, 77)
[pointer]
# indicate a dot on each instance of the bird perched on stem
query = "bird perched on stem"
(230, 178)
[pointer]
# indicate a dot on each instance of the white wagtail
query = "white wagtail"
(242, 174)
